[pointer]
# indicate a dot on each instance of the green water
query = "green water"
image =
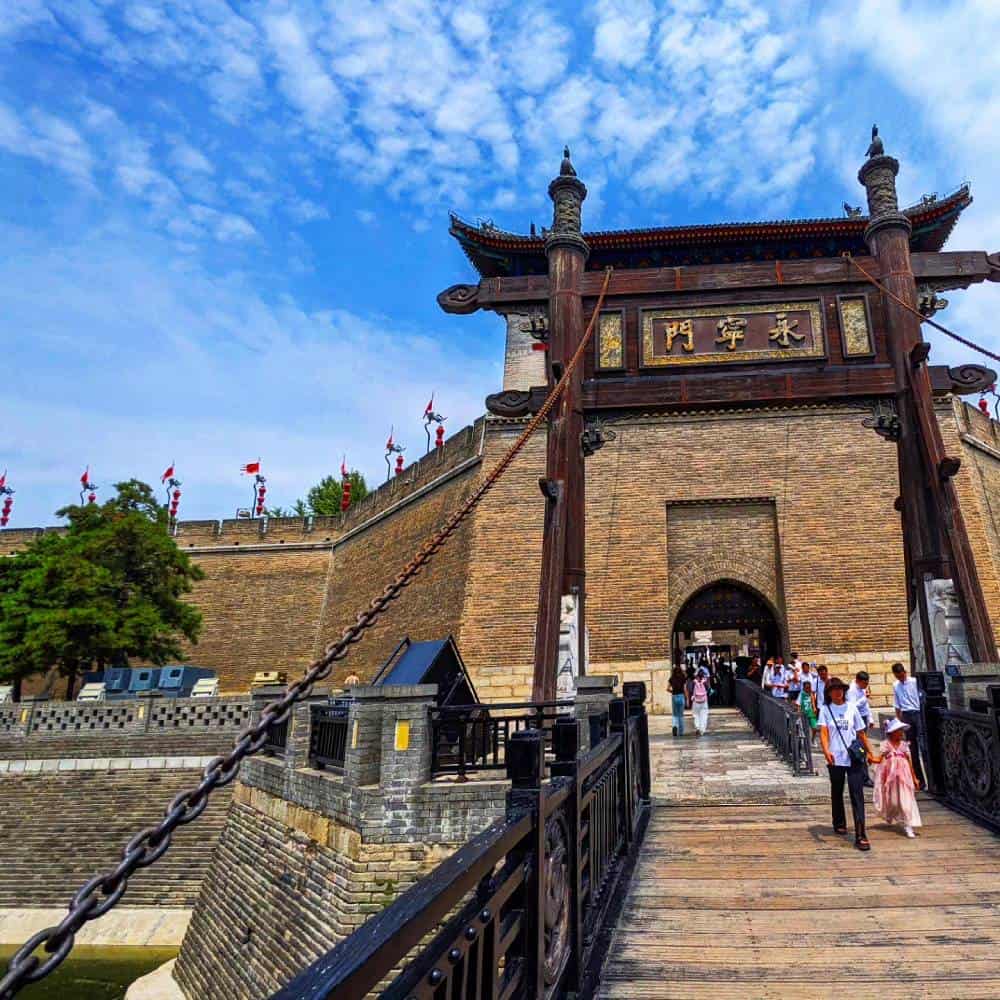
(94, 973)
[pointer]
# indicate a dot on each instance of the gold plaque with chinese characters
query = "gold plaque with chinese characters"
(610, 345)
(855, 326)
(785, 331)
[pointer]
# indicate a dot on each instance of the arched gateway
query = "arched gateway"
(728, 617)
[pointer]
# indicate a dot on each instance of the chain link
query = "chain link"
(105, 890)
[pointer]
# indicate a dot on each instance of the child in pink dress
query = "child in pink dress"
(896, 782)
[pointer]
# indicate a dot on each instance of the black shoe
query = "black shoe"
(861, 843)
(675, 730)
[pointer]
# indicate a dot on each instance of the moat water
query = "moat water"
(94, 972)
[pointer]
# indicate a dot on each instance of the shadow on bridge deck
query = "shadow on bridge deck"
(743, 890)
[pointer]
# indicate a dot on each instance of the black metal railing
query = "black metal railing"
(965, 751)
(470, 738)
(328, 736)
(532, 898)
(779, 722)
(277, 740)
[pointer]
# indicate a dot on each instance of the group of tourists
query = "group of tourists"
(840, 715)
(699, 687)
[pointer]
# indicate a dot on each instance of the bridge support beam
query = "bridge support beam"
(935, 538)
(563, 554)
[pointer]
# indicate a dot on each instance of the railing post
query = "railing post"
(618, 722)
(635, 695)
(593, 695)
(932, 685)
(406, 734)
(525, 769)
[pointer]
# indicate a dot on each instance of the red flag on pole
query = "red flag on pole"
(389, 443)
(343, 469)
(85, 478)
(3, 479)
(166, 475)
(430, 406)
(251, 468)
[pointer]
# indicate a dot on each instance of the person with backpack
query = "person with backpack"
(698, 694)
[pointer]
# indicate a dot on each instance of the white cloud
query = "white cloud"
(186, 158)
(622, 30)
(49, 139)
(187, 344)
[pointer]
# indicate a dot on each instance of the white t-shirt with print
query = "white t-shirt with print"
(847, 719)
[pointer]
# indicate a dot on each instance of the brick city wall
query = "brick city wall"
(307, 856)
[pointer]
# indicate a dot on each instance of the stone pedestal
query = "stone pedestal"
(593, 696)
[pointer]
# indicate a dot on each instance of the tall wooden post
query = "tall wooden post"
(935, 536)
(563, 547)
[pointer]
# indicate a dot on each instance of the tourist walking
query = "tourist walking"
(678, 697)
(906, 701)
(775, 678)
(819, 687)
(896, 781)
(844, 739)
(698, 692)
(807, 706)
(857, 694)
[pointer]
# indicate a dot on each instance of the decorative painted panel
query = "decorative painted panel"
(785, 331)
(610, 341)
(854, 324)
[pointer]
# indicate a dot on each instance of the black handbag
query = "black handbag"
(856, 752)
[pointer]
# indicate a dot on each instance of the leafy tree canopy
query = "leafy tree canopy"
(108, 588)
(323, 500)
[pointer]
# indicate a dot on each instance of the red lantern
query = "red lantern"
(7, 504)
(177, 495)
(399, 465)
(260, 509)
(345, 499)
(439, 436)
(91, 497)
(3, 520)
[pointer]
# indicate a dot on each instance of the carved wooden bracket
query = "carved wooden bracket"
(993, 260)
(919, 353)
(516, 402)
(962, 380)
(949, 466)
(460, 299)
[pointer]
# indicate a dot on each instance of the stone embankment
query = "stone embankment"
(59, 829)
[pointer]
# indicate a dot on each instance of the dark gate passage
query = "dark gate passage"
(728, 606)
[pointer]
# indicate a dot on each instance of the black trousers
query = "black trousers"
(916, 723)
(855, 776)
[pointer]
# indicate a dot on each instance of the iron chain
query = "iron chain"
(105, 890)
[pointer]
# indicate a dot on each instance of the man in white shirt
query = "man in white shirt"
(774, 679)
(819, 685)
(906, 701)
(857, 694)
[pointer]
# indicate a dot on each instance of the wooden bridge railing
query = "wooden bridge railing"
(780, 723)
(531, 898)
(965, 753)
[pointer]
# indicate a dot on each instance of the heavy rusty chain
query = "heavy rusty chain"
(106, 889)
(916, 312)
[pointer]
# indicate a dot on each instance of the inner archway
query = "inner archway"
(725, 619)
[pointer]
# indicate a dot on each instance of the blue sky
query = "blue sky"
(224, 224)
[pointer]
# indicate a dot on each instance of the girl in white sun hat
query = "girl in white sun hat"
(896, 782)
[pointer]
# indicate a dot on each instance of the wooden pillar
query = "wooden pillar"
(934, 531)
(563, 547)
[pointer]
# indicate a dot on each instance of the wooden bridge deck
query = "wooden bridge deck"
(762, 901)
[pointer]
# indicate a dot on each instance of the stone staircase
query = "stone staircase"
(57, 830)
(186, 743)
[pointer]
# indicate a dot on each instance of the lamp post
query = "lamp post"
(8, 500)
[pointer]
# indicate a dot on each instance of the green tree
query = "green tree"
(323, 500)
(108, 588)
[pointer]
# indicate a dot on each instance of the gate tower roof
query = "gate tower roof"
(495, 252)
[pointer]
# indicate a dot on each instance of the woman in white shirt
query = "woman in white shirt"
(840, 723)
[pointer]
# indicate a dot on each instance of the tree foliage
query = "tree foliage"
(108, 588)
(323, 500)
